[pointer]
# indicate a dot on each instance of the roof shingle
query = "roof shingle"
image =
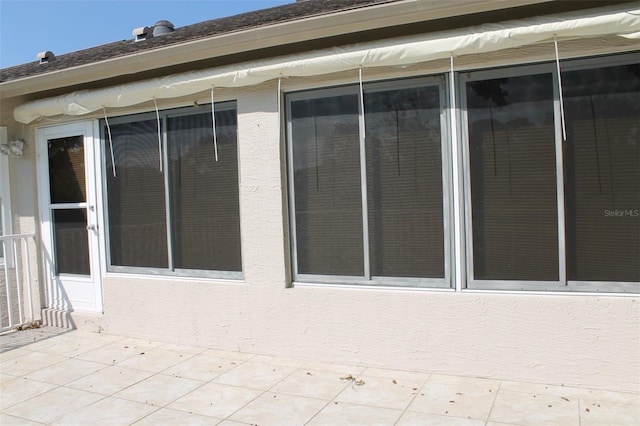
(244, 21)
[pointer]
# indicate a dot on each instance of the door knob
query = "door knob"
(91, 227)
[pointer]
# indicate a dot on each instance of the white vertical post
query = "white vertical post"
(457, 236)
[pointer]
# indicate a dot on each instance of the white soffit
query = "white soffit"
(392, 52)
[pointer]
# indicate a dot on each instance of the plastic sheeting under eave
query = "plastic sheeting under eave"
(391, 52)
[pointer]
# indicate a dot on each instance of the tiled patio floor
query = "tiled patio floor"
(49, 376)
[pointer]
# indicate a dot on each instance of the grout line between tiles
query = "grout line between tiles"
(413, 399)
(495, 398)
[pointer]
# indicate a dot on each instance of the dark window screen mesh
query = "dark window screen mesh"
(328, 200)
(513, 178)
(137, 220)
(67, 183)
(71, 241)
(602, 173)
(404, 182)
(205, 216)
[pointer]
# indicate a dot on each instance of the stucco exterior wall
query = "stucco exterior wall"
(585, 340)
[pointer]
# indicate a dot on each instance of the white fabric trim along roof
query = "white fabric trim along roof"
(391, 52)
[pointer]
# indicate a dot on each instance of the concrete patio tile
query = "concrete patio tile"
(232, 423)
(342, 369)
(535, 388)
(182, 348)
(113, 353)
(381, 392)
(165, 416)
(396, 374)
(236, 356)
(14, 353)
(20, 389)
(201, 367)
(28, 363)
(597, 396)
(7, 420)
(281, 361)
(154, 360)
(605, 412)
(53, 405)
(275, 409)
(140, 343)
(108, 412)
(159, 389)
(500, 424)
(454, 400)
(311, 383)
(72, 347)
(534, 409)
(6, 377)
(215, 400)
(110, 380)
(468, 382)
(66, 371)
(345, 414)
(420, 419)
(254, 375)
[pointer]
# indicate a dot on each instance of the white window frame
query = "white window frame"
(367, 279)
(562, 284)
(171, 271)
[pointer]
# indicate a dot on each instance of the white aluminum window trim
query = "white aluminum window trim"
(370, 287)
(170, 271)
(366, 279)
(562, 285)
(478, 75)
(560, 138)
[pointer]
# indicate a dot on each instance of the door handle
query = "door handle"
(91, 227)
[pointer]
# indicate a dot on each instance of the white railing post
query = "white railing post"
(17, 274)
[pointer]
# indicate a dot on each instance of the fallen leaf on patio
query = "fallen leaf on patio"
(566, 399)
(359, 382)
(309, 374)
(453, 402)
(587, 410)
(394, 382)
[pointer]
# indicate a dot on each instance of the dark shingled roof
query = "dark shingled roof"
(244, 21)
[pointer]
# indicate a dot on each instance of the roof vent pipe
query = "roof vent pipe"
(142, 33)
(162, 27)
(46, 57)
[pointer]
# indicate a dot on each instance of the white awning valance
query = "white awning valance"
(392, 52)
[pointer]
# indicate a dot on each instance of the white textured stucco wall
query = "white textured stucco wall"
(586, 340)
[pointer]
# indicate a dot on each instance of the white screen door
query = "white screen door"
(69, 222)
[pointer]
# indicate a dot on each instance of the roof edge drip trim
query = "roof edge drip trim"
(400, 51)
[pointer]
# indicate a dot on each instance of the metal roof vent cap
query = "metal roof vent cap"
(46, 57)
(162, 27)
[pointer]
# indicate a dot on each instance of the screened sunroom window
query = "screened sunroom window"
(367, 191)
(328, 204)
(513, 178)
(549, 213)
(173, 208)
(602, 173)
